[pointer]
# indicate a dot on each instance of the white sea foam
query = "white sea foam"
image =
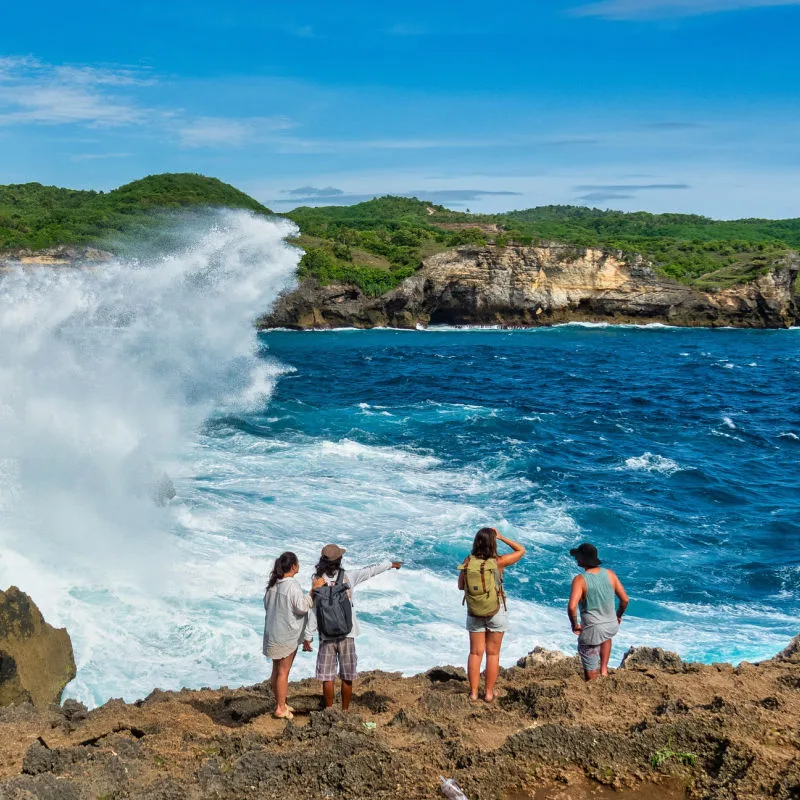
(649, 462)
(107, 374)
(728, 422)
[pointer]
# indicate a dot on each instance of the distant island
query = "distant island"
(405, 262)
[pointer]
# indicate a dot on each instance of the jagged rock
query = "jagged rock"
(60, 256)
(73, 711)
(36, 660)
(541, 655)
(539, 700)
(446, 673)
(791, 652)
(531, 286)
(644, 658)
(377, 703)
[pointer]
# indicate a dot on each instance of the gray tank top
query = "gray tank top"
(598, 609)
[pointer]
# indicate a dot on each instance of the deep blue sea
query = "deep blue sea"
(674, 451)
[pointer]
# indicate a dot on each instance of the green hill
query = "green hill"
(378, 243)
(35, 216)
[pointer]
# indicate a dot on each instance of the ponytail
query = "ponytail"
(283, 564)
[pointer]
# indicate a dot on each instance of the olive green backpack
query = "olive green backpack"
(483, 587)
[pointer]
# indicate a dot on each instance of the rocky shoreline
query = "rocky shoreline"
(657, 727)
(512, 287)
(534, 286)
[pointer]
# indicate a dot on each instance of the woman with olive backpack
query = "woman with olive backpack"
(481, 580)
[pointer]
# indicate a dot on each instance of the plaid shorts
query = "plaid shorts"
(342, 651)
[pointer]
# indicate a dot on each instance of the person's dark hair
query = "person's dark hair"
(283, 564)
(327, 567)
(485, 544)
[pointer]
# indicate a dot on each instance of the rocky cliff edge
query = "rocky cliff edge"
(36, 660)
(531, 286)
(656, 729)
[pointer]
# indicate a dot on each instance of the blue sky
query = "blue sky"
(663, 105)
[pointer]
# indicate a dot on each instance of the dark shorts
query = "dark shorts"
(590, 656)
(341, 652)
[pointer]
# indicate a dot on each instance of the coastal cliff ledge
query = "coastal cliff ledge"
(656, 728)
(547, 285)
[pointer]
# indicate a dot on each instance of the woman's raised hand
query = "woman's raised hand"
(317, 582)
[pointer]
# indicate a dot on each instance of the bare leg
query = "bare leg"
(327, 692)
(493, 642)
(347, 693)
(477, 647)
(605, 654)
(591, 674)
(280, 670)
(273, 679)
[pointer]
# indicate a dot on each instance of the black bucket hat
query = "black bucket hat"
(586, 555)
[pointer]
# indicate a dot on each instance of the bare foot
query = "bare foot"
(489, 698)
(473, 698)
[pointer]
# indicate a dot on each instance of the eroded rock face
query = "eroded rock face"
(791, 652)
(61, 256)
(541, 655)
(36, 660)
(644, 658)
(530, 286)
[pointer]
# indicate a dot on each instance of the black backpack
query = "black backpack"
(334, 609)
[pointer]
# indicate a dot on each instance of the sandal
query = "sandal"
(286, 715)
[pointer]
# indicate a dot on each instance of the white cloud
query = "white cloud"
(98, 156)
(35, 93)
(644, 9)
(230, 132)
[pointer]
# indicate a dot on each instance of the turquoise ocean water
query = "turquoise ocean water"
(674, 451)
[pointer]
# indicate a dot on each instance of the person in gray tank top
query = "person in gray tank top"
(594, 592)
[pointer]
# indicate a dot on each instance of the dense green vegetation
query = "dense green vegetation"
(35, 216)
(401, 231)
(377, 244)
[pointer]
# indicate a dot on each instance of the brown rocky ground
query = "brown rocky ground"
(657, 728)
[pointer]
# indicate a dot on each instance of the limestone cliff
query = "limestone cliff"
(61, 256)
(529, 286)
(36, 660)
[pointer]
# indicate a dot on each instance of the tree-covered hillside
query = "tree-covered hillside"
(378, 243)
(35, 216)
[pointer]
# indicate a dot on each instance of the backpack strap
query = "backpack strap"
(483, 577)
(500, 590)
(463, 568)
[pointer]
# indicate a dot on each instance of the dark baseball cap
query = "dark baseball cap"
(586, 555)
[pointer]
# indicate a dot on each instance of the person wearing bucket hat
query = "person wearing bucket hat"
(594, 591)
(334, 619)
